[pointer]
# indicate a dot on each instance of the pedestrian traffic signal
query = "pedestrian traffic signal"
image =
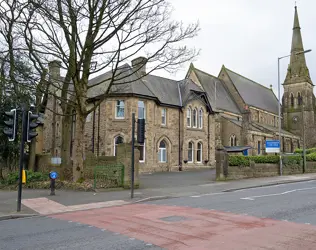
(32, 124)
(141, 131)
(11, 124)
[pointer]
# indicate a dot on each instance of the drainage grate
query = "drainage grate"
(174, 218)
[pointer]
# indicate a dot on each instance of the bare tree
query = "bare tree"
(109, 32)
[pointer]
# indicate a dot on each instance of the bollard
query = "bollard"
(53, 176)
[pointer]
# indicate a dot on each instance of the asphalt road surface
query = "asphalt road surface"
(192, 222)
(294, 202)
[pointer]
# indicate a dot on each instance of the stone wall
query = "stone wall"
(267, 170)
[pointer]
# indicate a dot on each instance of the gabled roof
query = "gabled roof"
(165, 91)
(253, 93)
(125, 82)
(224, 101)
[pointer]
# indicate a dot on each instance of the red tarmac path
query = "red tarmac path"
(194, 228)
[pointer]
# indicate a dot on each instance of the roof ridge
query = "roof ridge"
(208, 74)
(164, 78)
(248, 79)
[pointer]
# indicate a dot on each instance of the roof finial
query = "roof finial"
(295, 4)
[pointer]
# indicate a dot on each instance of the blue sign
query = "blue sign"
(53, 175)
(273, 146)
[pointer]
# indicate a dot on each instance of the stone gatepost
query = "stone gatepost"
(221, 157)
(124, 156)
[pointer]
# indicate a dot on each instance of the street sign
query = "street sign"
(53, 175)
(272, 146)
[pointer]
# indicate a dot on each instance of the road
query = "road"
(226, 220)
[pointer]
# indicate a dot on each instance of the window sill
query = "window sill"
(120, 119)
(141, 161)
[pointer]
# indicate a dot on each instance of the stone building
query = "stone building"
(187, 120)
(298, 98)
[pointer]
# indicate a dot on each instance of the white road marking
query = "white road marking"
(251, 198)
(201, 195)
(307, 223)
(132, 238)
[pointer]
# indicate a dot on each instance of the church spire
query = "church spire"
(297, 70)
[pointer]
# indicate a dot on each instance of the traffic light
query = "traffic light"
(11, 125)
(141, 131)
(32, 124)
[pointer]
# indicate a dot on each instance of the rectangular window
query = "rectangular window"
(190, 152)
(142, 153)
(163, 116)
(259, 147)
(188, 117)
(141, 110)
(162, 155)
(120, 109)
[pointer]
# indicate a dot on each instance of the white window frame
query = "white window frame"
(234, 138)
(144, 153)
(164, 116)
(200, 118)
(144, 109)
(114, 150)
(192, 152)
(195, 119)
(116, 109)
(89, 117)
(189, 116)
(201, 154)
(160, 152)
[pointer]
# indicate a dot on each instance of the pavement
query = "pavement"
(280, 216)
(175, 184)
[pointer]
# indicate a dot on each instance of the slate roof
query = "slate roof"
(273, 129)
(254, 94)
(165, 91)
(224, 101)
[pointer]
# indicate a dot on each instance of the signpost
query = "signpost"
(53, 176)
(272, 146)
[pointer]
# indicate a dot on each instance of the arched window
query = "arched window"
(195, 118)
(292, 99)
(200, 118)
(117, 140)
(233, 141)
(162, 152)
(190, 152)
(199, 152)
(299, 99)
(189, 117)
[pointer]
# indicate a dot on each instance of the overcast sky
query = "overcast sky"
(247, 36)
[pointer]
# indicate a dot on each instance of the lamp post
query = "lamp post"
(279, 97)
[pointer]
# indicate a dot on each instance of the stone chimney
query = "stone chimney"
(245, 126)
(54, 69)
(139, 65)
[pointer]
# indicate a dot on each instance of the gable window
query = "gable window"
(189, 117)
(142, 153)
(190, 152)
(292, 100)
(194, 118)
(141, 110)
(164, 116)
(199, 152)
(200, 118)
(162, 152)
(120, 109)
(117, 140)
(233, 141)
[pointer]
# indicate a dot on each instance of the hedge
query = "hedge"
(13, 177)
(244, 161)
(308, 150)
(311, 157)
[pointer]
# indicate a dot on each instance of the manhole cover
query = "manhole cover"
(174, 218)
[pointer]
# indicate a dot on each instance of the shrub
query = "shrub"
(308, 151)
(238, 160)
(311, 157)
(292, 159)
(13, 177)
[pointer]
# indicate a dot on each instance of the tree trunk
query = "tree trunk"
(78, 147)
(65, 148)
